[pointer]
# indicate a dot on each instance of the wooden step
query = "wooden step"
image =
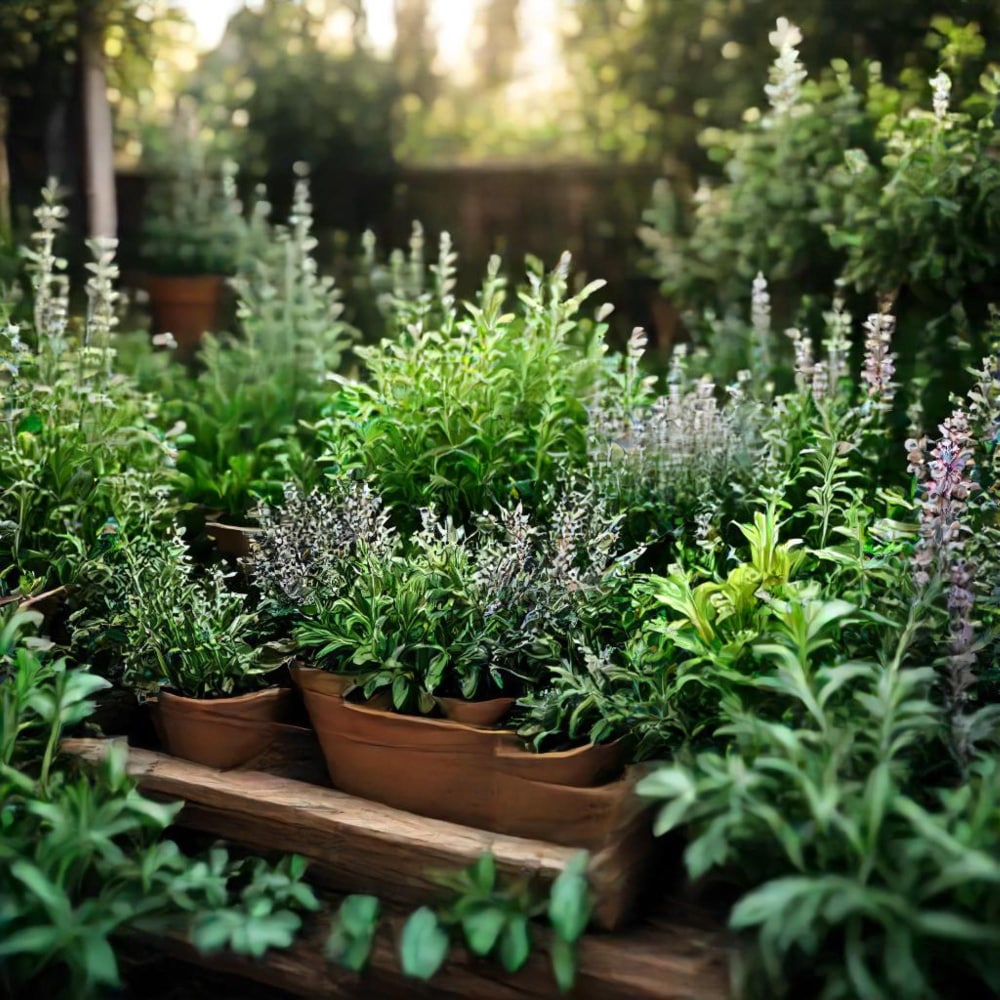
(682, 958)
(359, 846)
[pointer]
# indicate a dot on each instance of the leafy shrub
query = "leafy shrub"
(467, 409)
(248, 416)
(835, 187)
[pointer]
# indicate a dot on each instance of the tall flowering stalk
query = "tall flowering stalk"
(837, 343)
(787, 72)
(947, 485)
(941, 88)
(760, 320)
(102, 297)
(880, 362)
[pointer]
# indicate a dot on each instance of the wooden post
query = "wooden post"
(98, 140)
(4, 171)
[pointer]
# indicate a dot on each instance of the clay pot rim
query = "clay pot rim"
(301, 665)
(199, 276)
(422, 720)
(268, 692)
(558, 754)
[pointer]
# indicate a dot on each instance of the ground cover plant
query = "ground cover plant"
(83, 855)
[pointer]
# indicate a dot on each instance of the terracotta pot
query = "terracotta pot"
(581, 767)
(221, 732)
(469, 775)
(231, 539)
(186, 306)
(433, 767)
(475, 713)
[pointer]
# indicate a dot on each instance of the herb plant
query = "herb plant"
(248, 417)
(80, 443)
(81, 855)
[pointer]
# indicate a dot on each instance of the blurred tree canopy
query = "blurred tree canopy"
(652, 73)
(296, 81)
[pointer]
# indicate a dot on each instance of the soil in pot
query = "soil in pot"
(475, 713)
(187, 306)
(221, 732)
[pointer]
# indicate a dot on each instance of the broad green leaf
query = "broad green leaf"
(423, 946)
(482, 927)
(515, 942)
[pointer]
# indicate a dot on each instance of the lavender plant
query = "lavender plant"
(950, 515)
(673, 460)
(450, 610)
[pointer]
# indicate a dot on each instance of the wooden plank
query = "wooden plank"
(671, 961)
(361, 846)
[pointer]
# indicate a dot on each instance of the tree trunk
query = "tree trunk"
(98, 140)
(4, 171)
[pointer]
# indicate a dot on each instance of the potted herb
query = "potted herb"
(192, 229)
(193, 643)
(448, 618)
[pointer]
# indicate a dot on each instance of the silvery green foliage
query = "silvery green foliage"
(250, 414)
(78, 439)
(453, 608)
(289, 313)
(311, 545)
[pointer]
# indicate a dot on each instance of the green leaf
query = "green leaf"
(515, 942)
(30, 423)
(424, 943)
(563, 957)
(482, 928)
(483, 872)
(569, 899)
(99, 960)
(352, 933)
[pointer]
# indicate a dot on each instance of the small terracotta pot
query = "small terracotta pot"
(185, 305)
(581, 767)
(231, 539)
(475, 713)
(221, 732)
